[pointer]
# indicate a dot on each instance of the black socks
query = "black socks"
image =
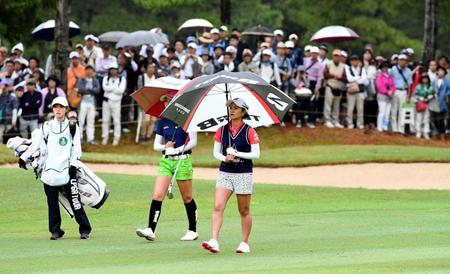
(191, 211)
(155, 212)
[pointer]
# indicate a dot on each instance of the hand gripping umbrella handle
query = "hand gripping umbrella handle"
(172, 181)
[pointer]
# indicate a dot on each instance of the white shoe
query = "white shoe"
(243, 248)
(361, 127)
(104, 142)
(351, 126)
(282, 124)
(329, 124)
(426, 136)
(146, 233)
(125, 130)
(115, 142)
(211, 245)
(190, 236)
(418, 135)
(338, 125)
(298, 125)
(310, 125)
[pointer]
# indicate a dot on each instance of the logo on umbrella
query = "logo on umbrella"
(276, 101)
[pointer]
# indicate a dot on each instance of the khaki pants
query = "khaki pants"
(331, 107)
(356, 99)
(398, 99)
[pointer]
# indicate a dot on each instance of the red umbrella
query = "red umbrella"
(334, 34)
(148, 97)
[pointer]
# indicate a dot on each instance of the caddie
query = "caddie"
(59, 143)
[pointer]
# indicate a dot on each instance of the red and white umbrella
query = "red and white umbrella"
(334, 34)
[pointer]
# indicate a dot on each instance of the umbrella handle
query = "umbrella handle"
(138, 128)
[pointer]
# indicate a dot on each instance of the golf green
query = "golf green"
(295, 229)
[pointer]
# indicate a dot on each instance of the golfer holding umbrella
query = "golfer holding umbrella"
(176, 161)
(220, 103)
(236, 144)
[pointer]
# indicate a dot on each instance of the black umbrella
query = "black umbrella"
(258, 31)
(200, 105)
(46, 31)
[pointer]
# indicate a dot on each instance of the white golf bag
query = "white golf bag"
(92, 189)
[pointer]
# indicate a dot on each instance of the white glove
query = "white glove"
(430, 97)
(232, 151)
(170, 151)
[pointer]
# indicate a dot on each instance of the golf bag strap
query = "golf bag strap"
(72, 129)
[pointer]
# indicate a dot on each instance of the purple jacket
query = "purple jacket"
(314, 72)
(44, 92)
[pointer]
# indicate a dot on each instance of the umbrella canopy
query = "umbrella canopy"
(334, 34)
(112, 36)
(140, 37)
(196, 25)
(258, 31)
(200, 105)
(46, 31)
(148, 97)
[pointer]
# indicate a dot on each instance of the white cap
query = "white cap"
(289, 44)
(17, 47)
(293, 36)
(409, 51)
(60, 101)
(267, 52)
(113, 65)
(91, 37)
(214, 30)
(74, 54)
(238, 102)
(307, 48)
(175, 64)
(231, 49)
(314, 49)
(394, 56)
(265, 44)
(192, 45)
(402, 56)
(281, 45)
(247, 52)
(164, 53)
(278, 32)
(223, 28)
(344, 53)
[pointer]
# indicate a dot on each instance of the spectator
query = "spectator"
(38, 76)
(432, 70)
(323, 55)
(262, 47)
(102, 63)
(217, 58)
(8, 108)
(33, 64)
(114, 87)
(307, 51)
(291, 58)
(74, 72)
(88, 87)
(205, 42)
(91, 51)
(179, 49)
(48, 94)
(268, 70)
(284, 67)
(439, 107)
(223, 32)
(8, 72)
(148, 122)
(188, 60)
(17, 75)
(205, 67)
(370, 103)
(175, 70)
(164, 65)
(29, 103)
(357, 84)
(416, 75)
(148, 58)
(236, 42)
(334, 73)
(17, 54)
(216, 41)
(385, 87)
(233, 51)
(128, 69)
(279, 37)
(425, 92)
(80, 50)
(171, 55)
(313, 76)
(297, 55)
(402, 79)
(228, 64)
(344, 57)
(394, 60)
(247, 64)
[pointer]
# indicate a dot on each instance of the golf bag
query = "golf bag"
(92, 189)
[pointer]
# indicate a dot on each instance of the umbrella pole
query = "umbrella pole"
(138, 128)
(227, 94)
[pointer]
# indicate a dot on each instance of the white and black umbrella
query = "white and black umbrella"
(200, 105)
(46, 31)
(112, 36)
(334, 34)
(139, 38)
(196, 25)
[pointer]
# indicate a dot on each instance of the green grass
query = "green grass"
(296, 229)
